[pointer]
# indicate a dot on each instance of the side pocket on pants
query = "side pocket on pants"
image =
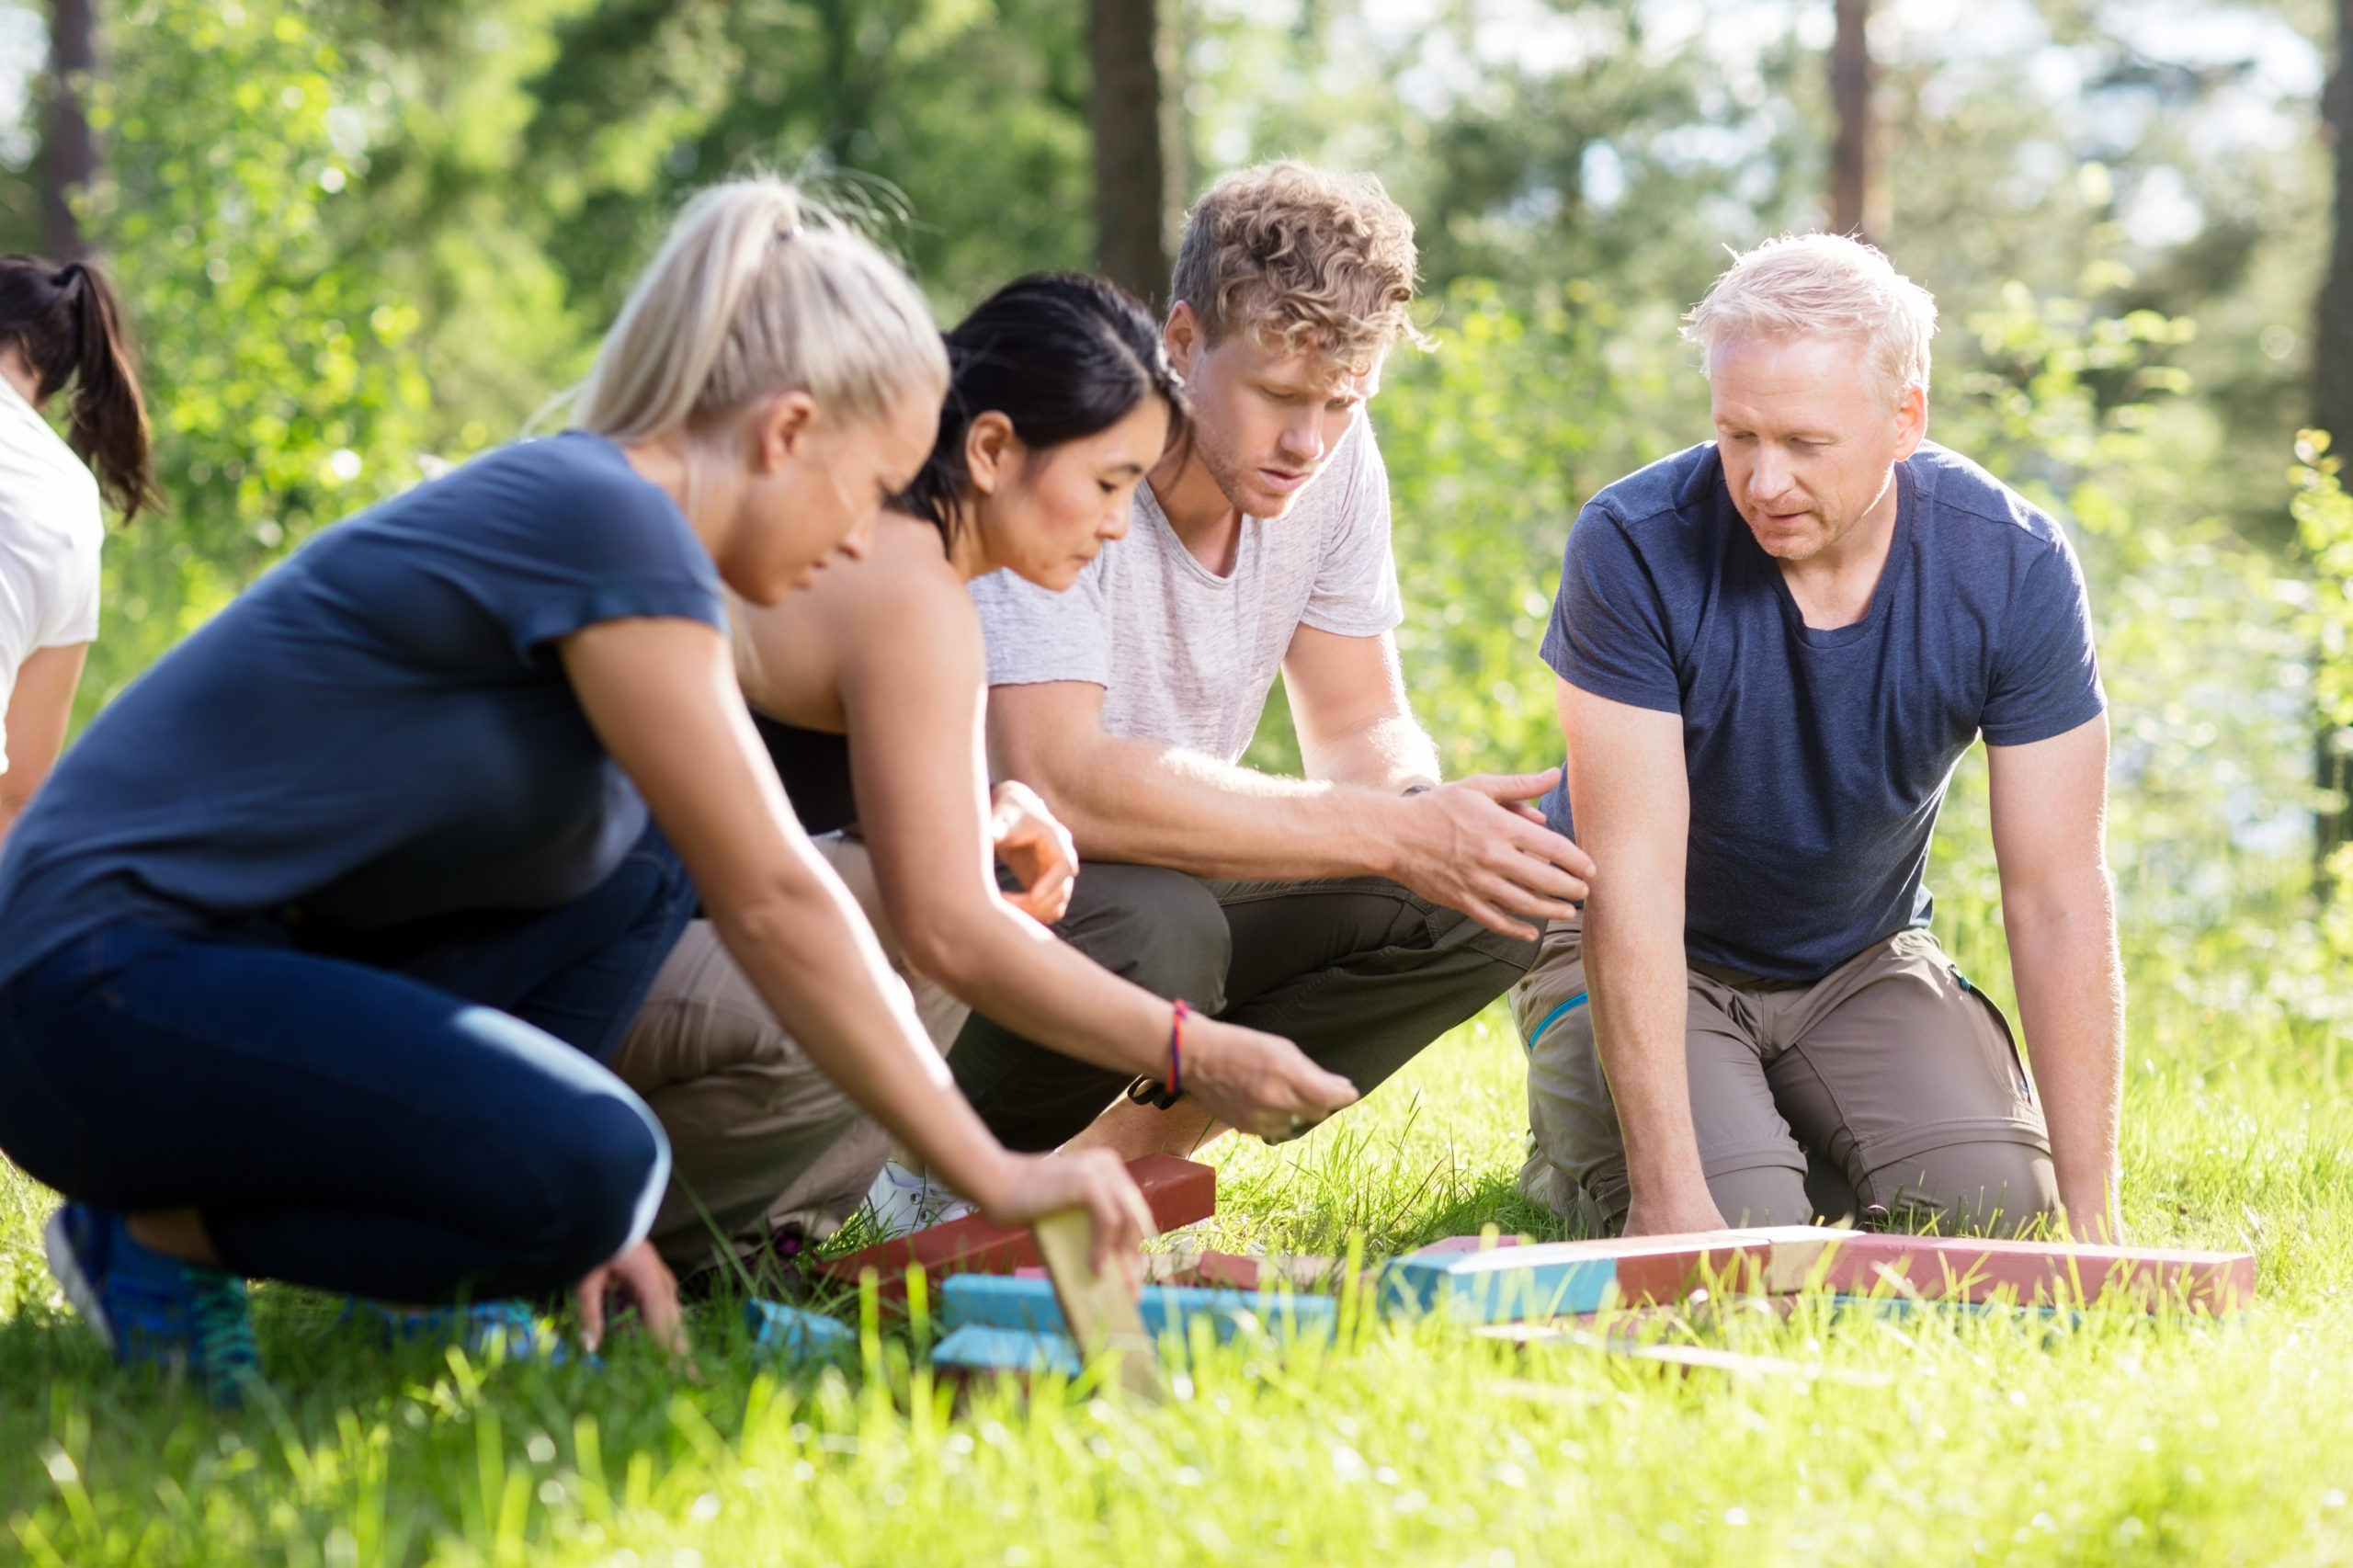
(2002, 1022)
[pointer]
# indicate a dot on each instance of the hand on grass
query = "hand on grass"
(2095, 1219)
(1258, 1083)
(1036, 847)
(648, 1280)
(1477, 846)
(1037, 1185)
(1674, 1216)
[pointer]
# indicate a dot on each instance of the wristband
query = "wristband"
(1146, 1090)
(1176, 1049)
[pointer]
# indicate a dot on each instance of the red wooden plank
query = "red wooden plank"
(1177, 1191)
(2041, 1273)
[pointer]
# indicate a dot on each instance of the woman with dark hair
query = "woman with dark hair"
(1060, 399)
(59, 327)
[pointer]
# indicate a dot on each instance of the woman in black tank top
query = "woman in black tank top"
(1062, 399)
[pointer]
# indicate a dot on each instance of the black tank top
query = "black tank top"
(815, 766)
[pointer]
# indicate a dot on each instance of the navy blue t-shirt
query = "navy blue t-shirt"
(1817, 759)
(380, 730)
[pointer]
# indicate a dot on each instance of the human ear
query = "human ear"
(780, 428)
(1910, 421)
(1182, 338)
(989, 446)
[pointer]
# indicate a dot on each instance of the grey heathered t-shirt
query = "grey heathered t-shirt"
(1186, 657)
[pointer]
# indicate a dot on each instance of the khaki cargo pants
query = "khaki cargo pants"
(1889, 1084)
(759, 1138)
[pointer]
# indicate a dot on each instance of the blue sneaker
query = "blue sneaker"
(508, 1329)
(150, 1309)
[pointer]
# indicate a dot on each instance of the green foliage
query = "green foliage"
(974, 110)
(2202, 655)
(274, 353)
(1494, 441)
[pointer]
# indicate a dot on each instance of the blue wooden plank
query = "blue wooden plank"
(999, 1301)
(794, 1333)
(1505, 1284)
(980, 1347)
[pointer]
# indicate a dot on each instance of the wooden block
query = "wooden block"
(996, 1301)
(1098, 1307)
(1505, 1283)
(1235, 1271)
(1663, 1271)
(1178, 1192)
(1469, 1244)
(794, 1335)
(2041, 1273)
(1563, 1279)
(977, 1347)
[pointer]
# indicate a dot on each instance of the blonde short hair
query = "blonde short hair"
(758, 290)
(1823, 285)
(1302, 258)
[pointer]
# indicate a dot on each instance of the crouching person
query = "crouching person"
(1361, 911)
(1773, 649)
(310, 950)
(1060, 399)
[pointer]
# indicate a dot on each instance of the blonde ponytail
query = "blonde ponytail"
(758, 291)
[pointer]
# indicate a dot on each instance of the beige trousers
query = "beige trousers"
(760, 1139)
(1889, 1084)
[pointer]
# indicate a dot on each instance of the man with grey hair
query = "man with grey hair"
(1772, 649)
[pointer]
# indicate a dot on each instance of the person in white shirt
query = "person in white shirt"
(59, 326)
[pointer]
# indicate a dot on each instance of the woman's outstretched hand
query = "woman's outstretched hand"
(1259, 1083)
(1036, 847)
(1035, 1185)
(647, 1278)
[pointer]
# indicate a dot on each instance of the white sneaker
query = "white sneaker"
(900, 1203)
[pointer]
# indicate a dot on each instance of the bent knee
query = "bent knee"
(1160, 928)
(605, 1167)
(1994, 1187)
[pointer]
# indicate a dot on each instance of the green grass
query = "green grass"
(2114, 1439)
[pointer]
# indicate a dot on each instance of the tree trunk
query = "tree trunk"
(69, 155)
(2333, 394)
(1130, 174)
(1854, 171)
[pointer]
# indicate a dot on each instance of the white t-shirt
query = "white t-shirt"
(1186, 657)
(51, 530)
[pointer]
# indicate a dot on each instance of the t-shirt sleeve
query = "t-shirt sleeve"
(2046, 675)
(1036, 636)
(1609, 629)
(73, 610)
(1355, 593)
(596, 544)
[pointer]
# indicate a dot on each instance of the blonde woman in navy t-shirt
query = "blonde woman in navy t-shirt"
(337, 1016)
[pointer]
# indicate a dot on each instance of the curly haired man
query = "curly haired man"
(1362, 911)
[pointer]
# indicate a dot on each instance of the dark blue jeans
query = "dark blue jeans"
(413, 1114)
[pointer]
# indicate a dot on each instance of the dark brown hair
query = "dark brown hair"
(1062, 356)
(65, 323)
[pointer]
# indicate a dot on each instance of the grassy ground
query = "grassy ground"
(2114, 1439)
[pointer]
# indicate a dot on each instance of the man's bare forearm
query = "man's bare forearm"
(2071, 1001)
(1634, 968)
(1161, 805)
(1390, 755)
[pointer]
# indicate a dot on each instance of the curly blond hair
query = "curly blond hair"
(1302, 259)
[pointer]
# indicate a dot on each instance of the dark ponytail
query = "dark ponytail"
(65, 322)
(1062, 356)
